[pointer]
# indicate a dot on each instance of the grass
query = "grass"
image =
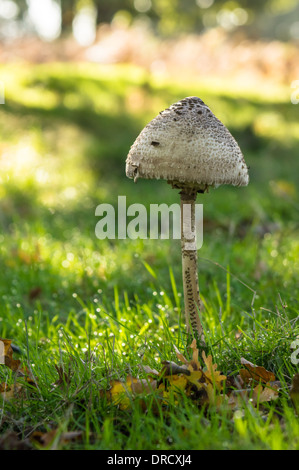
(100, 308)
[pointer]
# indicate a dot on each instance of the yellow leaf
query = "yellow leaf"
(194, 362)
(119, 394)
(178, 381)
(212, 373)
(196, 377)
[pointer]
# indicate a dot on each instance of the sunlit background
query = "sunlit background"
(81, 79)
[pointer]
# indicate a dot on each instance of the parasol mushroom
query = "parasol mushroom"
(192, 150)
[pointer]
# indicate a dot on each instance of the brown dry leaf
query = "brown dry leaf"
(149, 370)
(263, 394)
(252, 372)
(237, 398)
(180, 355)
(122, 393)
(9, 361)
(11, 441)
(258, 394)
(141, 386)
(8, 392)
(46, 439)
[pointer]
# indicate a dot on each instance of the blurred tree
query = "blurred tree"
(22, 8)
(106, 9)
(68, 10)
(176, 16)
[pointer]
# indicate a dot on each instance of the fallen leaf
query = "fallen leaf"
(180, 355)
(64, 377)
(141, 386)
(118, 394)
(11, 441)
(171, 368)
(252, 372)
(122, 393)
(149, 370)
(46, 439)
(263, 394)
(212, 373)
(194, 363)
(196, 378)
(8, 392)
(178, 382)
(9, 361)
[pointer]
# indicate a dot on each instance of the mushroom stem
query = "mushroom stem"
(192, 299)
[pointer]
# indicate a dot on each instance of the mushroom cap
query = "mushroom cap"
(189, 147)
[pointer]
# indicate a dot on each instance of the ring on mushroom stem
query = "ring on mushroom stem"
(192, 150)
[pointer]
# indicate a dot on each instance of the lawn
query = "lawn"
(99, 310)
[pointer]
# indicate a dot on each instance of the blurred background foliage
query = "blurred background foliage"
(81, 80)
(268, 18)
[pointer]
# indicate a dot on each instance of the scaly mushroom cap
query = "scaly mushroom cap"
(187, 146)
